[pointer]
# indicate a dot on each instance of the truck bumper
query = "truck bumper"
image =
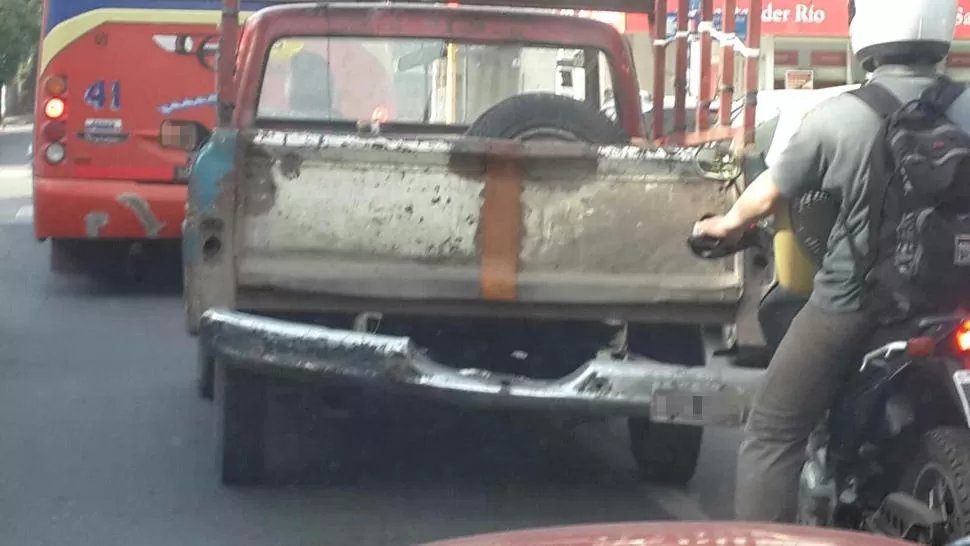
(82, 208)
(632, 386)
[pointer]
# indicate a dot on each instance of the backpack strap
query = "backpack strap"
(942, 94)
(879, 98)
(885, 103)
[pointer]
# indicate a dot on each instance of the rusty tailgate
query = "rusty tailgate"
(388, 218)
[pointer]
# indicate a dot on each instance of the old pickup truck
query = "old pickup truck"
(408, 198)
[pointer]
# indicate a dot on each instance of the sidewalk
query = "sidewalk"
(17, 124)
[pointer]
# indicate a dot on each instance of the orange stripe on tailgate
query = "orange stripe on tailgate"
(500, 229)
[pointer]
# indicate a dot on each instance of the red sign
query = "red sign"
(958, 60)
(823, 18)
(786, 57)
(829, 58)
(802, 17)
(963, 21)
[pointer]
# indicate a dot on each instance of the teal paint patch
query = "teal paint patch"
(211, 166)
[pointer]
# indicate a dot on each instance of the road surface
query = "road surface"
(103, 441)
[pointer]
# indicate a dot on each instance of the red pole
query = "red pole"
(659, 67)
(728, 19)
(751, 65)
(704, 106)
(680, 71)
(228, 35)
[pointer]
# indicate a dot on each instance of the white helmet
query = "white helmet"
(901, 31)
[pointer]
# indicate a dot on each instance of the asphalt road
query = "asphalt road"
(104, 442)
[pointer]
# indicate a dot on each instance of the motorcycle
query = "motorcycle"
(892, 455)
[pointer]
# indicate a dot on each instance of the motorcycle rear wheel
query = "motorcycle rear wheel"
(940, 476)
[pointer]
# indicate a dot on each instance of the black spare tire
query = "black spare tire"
(546, 116)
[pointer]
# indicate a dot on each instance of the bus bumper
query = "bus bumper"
(73, 208)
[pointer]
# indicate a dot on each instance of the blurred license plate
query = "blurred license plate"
(961, 379)
(711, 408)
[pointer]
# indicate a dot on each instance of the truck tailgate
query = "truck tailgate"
(551, 223)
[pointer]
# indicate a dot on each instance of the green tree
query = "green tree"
(19, 32)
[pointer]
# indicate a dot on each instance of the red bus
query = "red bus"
(110, 72)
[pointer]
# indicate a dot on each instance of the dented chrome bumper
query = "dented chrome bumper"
(634, 386)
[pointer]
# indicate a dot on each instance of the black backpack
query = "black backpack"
(919, 206)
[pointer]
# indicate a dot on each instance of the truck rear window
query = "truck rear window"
(414, 80)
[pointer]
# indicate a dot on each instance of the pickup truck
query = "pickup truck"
(397, 201)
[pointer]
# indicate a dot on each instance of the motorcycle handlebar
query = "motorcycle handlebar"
(712, 248)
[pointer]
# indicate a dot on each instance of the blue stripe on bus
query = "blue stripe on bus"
(59, 11)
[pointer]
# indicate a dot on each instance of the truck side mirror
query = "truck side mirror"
(187, 136)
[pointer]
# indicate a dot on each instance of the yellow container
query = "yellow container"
(793, 269)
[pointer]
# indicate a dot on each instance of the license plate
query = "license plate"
(681, 407)
(961, 380)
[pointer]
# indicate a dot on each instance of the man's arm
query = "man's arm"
(798, 168)
(758, 200)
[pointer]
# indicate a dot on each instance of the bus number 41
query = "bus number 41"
(95, 95)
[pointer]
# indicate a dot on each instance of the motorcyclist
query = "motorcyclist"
(900, 42)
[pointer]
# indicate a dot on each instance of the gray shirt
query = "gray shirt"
(830, 151)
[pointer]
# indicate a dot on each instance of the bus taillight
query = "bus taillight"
(56, 86)
(54, 130)
(55, 108)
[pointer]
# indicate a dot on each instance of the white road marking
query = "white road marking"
(20, 171)
(679, 503)
(25, 213)
(21, 128)
(16, 181)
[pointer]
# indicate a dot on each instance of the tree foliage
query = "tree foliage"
(19, 32)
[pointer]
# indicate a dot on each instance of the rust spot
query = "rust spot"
(260, 184)
(290, 166)
(500, 229)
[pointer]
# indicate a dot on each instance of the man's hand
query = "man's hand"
(719, 227)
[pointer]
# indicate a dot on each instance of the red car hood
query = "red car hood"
(669, 533)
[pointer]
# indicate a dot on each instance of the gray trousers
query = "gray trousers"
(811, 363)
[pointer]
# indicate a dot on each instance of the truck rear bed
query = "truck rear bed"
(427, 221)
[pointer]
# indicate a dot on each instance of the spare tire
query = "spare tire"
(545, 115)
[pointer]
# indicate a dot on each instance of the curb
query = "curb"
(16, 121)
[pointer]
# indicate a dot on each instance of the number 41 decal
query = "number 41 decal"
(95, 95)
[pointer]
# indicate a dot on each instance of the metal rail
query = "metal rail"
(731, 45)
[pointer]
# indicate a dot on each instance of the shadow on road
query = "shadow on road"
(157, 271)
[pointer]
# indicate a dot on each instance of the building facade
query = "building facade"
(805, 44)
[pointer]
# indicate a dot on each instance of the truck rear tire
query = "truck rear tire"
(206, 375)
(546, 115)
(242, 401)
(665, 453)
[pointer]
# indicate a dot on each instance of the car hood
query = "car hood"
(675, 534)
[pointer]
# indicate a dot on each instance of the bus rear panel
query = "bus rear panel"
(110, 72)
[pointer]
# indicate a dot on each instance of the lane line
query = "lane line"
(25, 213)
(10, 173)
(16, 181)
(677, 502)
